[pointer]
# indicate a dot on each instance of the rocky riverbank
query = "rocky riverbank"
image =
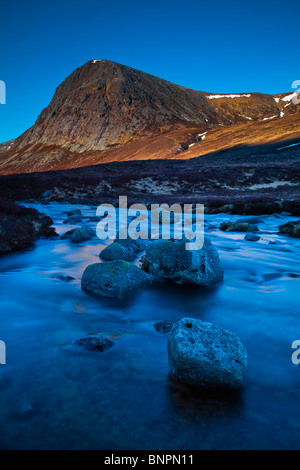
(20, 226)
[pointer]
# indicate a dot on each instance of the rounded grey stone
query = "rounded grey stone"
(114, 278)
(206, 355)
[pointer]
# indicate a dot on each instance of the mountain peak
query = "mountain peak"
(104, 107)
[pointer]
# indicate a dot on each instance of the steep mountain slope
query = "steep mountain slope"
(109, 112)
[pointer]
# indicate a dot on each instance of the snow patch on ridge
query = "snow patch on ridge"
(215, 97)
(269, 118)
(289, 97)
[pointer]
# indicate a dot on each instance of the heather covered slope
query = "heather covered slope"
(246, 179)
(105, 112)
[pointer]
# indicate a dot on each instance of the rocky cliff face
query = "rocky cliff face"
(109, 112)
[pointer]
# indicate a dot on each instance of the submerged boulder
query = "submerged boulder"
(250, 221)
(252, 237)
(73, 220)
(63, 278)
(206, 355)
(213, 226)
(94, 343)
(291, 228)
(74, 212)
(253, 228)
(164, 326)
(114, 278)
(169, 259)
(78, 235)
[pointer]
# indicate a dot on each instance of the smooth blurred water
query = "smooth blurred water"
(55, 398)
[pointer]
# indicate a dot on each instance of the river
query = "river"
(53, 397)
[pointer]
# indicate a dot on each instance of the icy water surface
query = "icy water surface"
(55, 398)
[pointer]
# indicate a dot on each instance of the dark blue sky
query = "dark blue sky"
(214, 46)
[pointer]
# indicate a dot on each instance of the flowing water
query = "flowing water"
(53, 397)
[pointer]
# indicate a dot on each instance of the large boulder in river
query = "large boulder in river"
(238, 227)
(169, 259)
(206, 355)
(126, 250)
(114, 279)
(79, 235)
(291, 228)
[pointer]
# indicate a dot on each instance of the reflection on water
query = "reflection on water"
(197, 403)
(53, 397)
